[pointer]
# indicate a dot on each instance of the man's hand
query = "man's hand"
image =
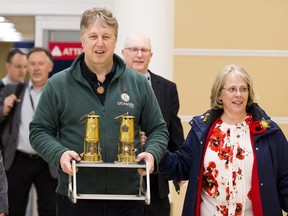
(8, 104)
(148, 158)
(65, 161)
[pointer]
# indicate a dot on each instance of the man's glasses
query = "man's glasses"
(233, 90)
(135, 50)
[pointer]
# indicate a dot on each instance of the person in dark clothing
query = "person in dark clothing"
(137, 54)
(16, 69)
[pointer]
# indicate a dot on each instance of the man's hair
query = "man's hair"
(12, 53)
(41, 49)
(101, 15)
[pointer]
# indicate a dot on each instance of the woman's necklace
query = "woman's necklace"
(100, 89)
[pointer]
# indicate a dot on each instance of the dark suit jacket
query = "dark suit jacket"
(11, 127)
(167, 96)
(2, 85)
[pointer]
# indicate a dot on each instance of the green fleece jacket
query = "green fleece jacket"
(56, 127)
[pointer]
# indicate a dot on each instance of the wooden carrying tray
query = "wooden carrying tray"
(72, 189)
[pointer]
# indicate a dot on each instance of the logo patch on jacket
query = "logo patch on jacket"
(125, 101)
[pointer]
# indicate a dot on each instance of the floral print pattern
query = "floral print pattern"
(227, 170)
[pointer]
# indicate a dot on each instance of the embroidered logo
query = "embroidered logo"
(125, 99)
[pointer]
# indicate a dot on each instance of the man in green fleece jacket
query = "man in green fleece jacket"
(99, 81)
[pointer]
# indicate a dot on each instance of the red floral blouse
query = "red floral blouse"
(227, 171)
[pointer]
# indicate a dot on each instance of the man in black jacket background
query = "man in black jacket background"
(137, 54)
(16, 70)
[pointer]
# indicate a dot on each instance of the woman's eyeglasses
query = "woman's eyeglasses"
(233, 90)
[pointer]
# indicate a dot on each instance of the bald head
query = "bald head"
(137, 39)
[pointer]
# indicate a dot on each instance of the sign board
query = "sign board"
(65, 50)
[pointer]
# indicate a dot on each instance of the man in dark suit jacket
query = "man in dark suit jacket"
(16, 69)
(137, 54)
(23, 166)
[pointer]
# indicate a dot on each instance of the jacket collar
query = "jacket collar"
(75, 67)
(202, 123)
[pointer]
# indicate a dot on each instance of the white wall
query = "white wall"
(153, 18)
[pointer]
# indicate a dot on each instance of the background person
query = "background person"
(23, 165)
(235, 156)
(99, 81)
(137, 54)
(16, 67)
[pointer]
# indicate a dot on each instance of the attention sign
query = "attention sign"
(65, 50)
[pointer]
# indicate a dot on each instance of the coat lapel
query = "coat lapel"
(156, 85)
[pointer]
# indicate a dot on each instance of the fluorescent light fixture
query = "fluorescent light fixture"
(8, 33)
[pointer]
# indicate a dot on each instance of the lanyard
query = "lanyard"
(31, 99)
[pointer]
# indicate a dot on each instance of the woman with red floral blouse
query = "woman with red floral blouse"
(235, 157)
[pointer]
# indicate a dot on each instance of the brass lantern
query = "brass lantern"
(126, 151)
(92, 150)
